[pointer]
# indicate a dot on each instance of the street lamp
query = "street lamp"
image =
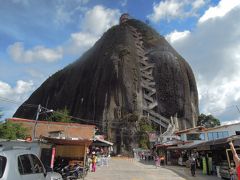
(39, 111)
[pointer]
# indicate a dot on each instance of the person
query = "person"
(157, 161)
(193, 165)
(235, 158)
(162, 160)
(232, 174)
(94, 162)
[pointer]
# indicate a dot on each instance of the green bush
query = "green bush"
(11, 131)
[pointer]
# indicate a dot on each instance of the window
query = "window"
(217, 135)
(182, 137)
(37, 165)
(196, 136)
(210, 136)
(202, 136)
(220, 135)
(24, 164)
(225, 134)
(3, 161)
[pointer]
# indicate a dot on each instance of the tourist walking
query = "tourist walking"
(157, 161)
(193, 165)
(236, 159)
(94, 162)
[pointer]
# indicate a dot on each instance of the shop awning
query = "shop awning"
(184, 147)
(101, 142)
(56, 141)
(206, 145)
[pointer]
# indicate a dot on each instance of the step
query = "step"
(139, 43)
(151, 93)
(150, 106)
(145, 96)
(149, 83)
(148, 87)
(140, 49)
(147, 76)
(157, 115)
(158, 121)
(148, 72)
(147, 67)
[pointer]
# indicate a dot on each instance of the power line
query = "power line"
(16, 102)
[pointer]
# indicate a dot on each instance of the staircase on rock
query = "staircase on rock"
(147, 82)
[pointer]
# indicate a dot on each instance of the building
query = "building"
(68, 130)
(68, 141)
(210, 145)
(200, 134)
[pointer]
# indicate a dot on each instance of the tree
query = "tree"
(60, 116)
(144, 127)
(11, 131)
(208, 121)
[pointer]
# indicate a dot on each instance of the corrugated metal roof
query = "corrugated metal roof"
(56, 141)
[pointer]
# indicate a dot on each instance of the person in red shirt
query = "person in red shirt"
(236, 159)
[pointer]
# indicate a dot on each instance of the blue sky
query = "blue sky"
(38, 38)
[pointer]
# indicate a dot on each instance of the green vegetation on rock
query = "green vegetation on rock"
(144, 128)
(60, 116)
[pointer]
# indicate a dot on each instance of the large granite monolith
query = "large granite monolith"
(130, 72)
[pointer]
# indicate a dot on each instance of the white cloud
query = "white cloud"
(212, 50)
(220, 10)
(18, 92)
(80, 42)
(12, 97)
(69, 11)
(62, 16)
(220, 93)
(176, 35)
(174, 9)
(37, 53)
(98, 19)
(198, 4)
(231, 122)
(95, 22)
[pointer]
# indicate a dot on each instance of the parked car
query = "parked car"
(22, 164)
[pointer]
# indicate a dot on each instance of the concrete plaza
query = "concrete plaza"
(130, 169)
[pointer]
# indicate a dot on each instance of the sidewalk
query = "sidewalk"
(185, 173)
(182, 171)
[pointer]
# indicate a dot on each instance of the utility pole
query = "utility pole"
(39, 111)
(36, 119)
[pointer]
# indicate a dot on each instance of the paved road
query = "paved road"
(128, 169)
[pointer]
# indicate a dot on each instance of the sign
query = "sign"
(152, 136)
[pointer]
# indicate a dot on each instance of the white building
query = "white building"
(200, 134)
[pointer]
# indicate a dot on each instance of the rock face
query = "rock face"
(130, 70)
